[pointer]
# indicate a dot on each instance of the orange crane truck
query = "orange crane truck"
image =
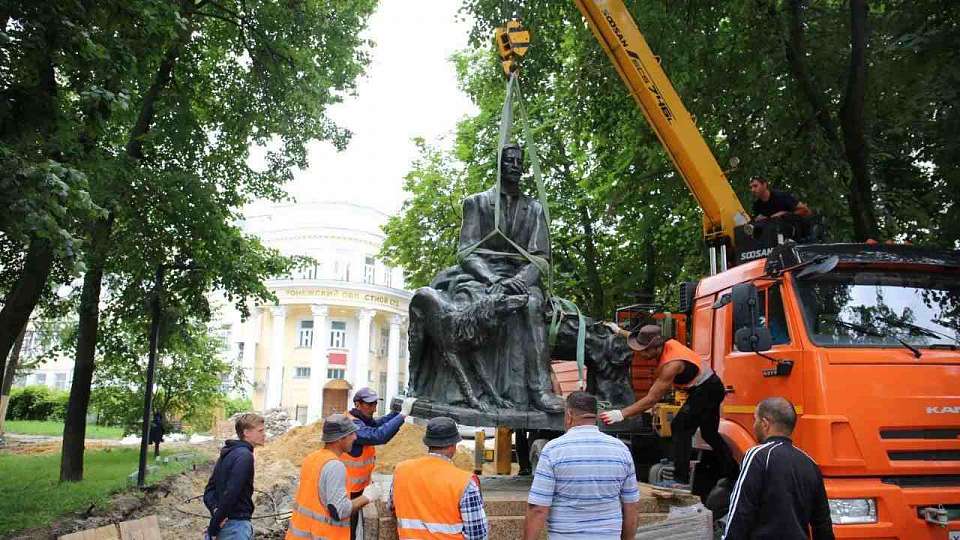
(863, 339)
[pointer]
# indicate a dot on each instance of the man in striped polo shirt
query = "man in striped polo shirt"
(585, 485)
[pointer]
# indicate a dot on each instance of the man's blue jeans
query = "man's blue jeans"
(236, 529)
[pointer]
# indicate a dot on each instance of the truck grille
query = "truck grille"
(931, 433)
(924, 455)
(922, 481)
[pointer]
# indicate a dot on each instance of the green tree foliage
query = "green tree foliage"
(774, 83)
(189, 375)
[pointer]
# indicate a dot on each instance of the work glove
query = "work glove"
(612, 417)
(373, 492)
(407, 405)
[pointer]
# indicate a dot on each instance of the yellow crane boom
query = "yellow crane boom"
(617, 32)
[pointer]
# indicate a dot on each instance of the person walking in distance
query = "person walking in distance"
(229, 492)
(321, 507)
(431, 497)
(779, 494)
(585, 484)
(681, 368)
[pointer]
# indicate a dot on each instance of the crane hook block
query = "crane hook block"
(512, 44)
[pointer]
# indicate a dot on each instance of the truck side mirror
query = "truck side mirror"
(749, 335)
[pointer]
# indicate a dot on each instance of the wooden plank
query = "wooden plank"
(479, 450)
(504, 450)
(147, 528)
(107, 532)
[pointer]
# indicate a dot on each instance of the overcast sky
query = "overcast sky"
(409, 90)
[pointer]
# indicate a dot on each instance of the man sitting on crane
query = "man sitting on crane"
(773, 203)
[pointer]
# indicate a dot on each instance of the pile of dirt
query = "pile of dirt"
(409, 444)
(276, 422)
(297, 443)
(293, 445)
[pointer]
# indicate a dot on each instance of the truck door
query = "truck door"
(745, 371)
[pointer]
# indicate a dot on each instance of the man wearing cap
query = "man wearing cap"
(682, 369)
(322, 508)
(361, 458)
(431, 497)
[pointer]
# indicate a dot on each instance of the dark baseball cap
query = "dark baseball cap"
(646, 337)
(441, 431)
(366, 395)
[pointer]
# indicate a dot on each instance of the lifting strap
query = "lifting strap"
(560, 306)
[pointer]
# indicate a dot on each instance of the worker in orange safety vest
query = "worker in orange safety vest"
(361, 458)
(680, 368)
(321, 508)
(431, 497)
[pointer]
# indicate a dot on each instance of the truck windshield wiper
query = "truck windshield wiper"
(871, 332)
(918, 329)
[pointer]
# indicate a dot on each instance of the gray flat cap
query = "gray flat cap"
(441, 431)
(336, 427)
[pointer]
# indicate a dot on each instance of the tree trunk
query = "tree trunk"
(6, 379)
(796, 51)
(591, 264)
(852, 124)
(649, 286)
(75, 426)
(25, 294)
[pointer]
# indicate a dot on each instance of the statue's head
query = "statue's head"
(511, 163)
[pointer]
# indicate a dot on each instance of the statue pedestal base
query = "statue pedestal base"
(509, 418)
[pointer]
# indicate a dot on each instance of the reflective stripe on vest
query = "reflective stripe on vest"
(674, 350)
(310, 518)
(360, 468)
(426, 498)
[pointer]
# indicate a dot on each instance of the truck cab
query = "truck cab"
(866, 348)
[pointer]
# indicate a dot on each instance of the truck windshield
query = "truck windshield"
(858, 308)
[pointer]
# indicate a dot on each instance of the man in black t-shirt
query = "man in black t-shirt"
(773, 203)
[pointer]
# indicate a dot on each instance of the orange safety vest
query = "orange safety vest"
(359, 469)
(426, 498)
(310, 518)
(674, 350)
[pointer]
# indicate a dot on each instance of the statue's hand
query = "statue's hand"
(496, 288)
(515, 285)
(614, 327)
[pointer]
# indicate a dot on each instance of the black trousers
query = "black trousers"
(701, 410)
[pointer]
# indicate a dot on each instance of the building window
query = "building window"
(338, 334)
(226, 384)
(305, 334)
(388, 276)
(401, 387)
(384, 341)
(301, 414)
(60, 381)
(341, 269)
(40, 378)
(301, 373)
(336, 373)
(240, 352)
(20, 381)
(382, 389)
(369, 270)
(310, 272)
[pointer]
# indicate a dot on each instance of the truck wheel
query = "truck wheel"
(535, 448)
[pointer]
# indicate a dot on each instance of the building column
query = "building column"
(318, 362)
(277, 345)
(361, 360)
(251, 336)
(393, 358)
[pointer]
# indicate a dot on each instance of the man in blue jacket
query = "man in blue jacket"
(371, 432)
(229, 492)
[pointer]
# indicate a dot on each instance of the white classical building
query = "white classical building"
(338, 325)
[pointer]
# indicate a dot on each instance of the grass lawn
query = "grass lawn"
(45, 427)
(31, 495)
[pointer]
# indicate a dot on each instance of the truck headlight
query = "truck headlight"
(846, 511)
